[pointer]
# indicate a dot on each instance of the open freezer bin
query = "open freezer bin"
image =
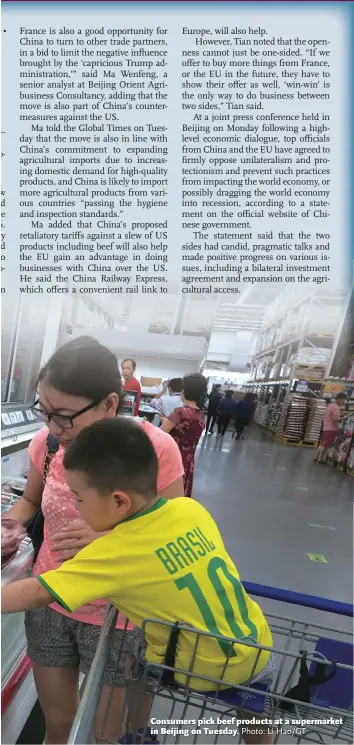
(18, 693)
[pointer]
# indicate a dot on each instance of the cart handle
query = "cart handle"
(299, 598)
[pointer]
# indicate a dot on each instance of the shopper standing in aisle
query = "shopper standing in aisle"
(80, 384)
(331, 422)
(213, 405)
(244, 411)
(186, 424)
(170, 398)
(225, 412)
(130, 381)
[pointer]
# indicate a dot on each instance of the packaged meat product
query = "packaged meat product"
(12, 533)
(17, 485)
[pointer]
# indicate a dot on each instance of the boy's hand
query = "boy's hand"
(72, 539)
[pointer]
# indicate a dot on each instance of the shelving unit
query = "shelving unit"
(290, 363)
(298, 330)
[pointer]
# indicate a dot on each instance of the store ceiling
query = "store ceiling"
(246, 313)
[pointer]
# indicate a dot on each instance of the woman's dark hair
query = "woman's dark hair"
(83, 367)
(229, 394)
(175, 385)
(194, 386)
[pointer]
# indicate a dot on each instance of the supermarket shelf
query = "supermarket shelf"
(328, 300)
(281, 381)
(287, 440)
(323, 340)
(348, 471)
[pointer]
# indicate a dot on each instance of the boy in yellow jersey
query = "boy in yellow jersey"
(160, 559)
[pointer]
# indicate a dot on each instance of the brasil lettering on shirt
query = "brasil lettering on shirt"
(185, 550)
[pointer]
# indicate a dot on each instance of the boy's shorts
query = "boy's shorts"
(265, 676)
(55, 640)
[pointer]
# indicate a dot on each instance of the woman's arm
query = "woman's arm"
(26, 594)
(27, 507)
(167, 425)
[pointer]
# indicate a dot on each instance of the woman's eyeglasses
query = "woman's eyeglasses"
(61, 420)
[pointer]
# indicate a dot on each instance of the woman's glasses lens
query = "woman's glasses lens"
(42, 415)
(60, 421)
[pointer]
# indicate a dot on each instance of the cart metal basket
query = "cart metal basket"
(181, 715)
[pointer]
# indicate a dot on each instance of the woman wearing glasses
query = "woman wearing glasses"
(80, 384)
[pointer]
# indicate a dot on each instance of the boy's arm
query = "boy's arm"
(26, 594)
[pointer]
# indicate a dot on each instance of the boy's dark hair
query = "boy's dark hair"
(115, 454)
(229, 394)
(175, 385)
(194, 386)
(340, 395)
(83, 367)
(129, 359)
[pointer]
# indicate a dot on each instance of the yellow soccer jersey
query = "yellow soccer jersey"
(169, 563)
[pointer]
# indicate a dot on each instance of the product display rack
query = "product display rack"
(277, 400)
(290, 364)
(273, 409)
(343, 451)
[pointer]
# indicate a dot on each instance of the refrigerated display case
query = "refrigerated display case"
(18, 693)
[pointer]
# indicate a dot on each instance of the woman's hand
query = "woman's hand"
(72, 539)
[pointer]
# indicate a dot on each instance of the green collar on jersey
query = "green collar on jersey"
(160, 502)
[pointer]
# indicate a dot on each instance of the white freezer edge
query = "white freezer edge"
(18, 711)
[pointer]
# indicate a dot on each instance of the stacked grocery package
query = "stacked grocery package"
(317, 408)
(292, 422)
(260, 416)
(274, 414)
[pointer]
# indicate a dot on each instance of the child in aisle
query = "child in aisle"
(111, 467)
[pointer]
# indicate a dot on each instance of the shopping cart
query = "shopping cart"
(310, 698)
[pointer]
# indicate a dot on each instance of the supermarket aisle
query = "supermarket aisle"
(267, 497)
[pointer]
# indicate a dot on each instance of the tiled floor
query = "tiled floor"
(266, 498)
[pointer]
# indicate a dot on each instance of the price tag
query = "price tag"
(301, 386)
